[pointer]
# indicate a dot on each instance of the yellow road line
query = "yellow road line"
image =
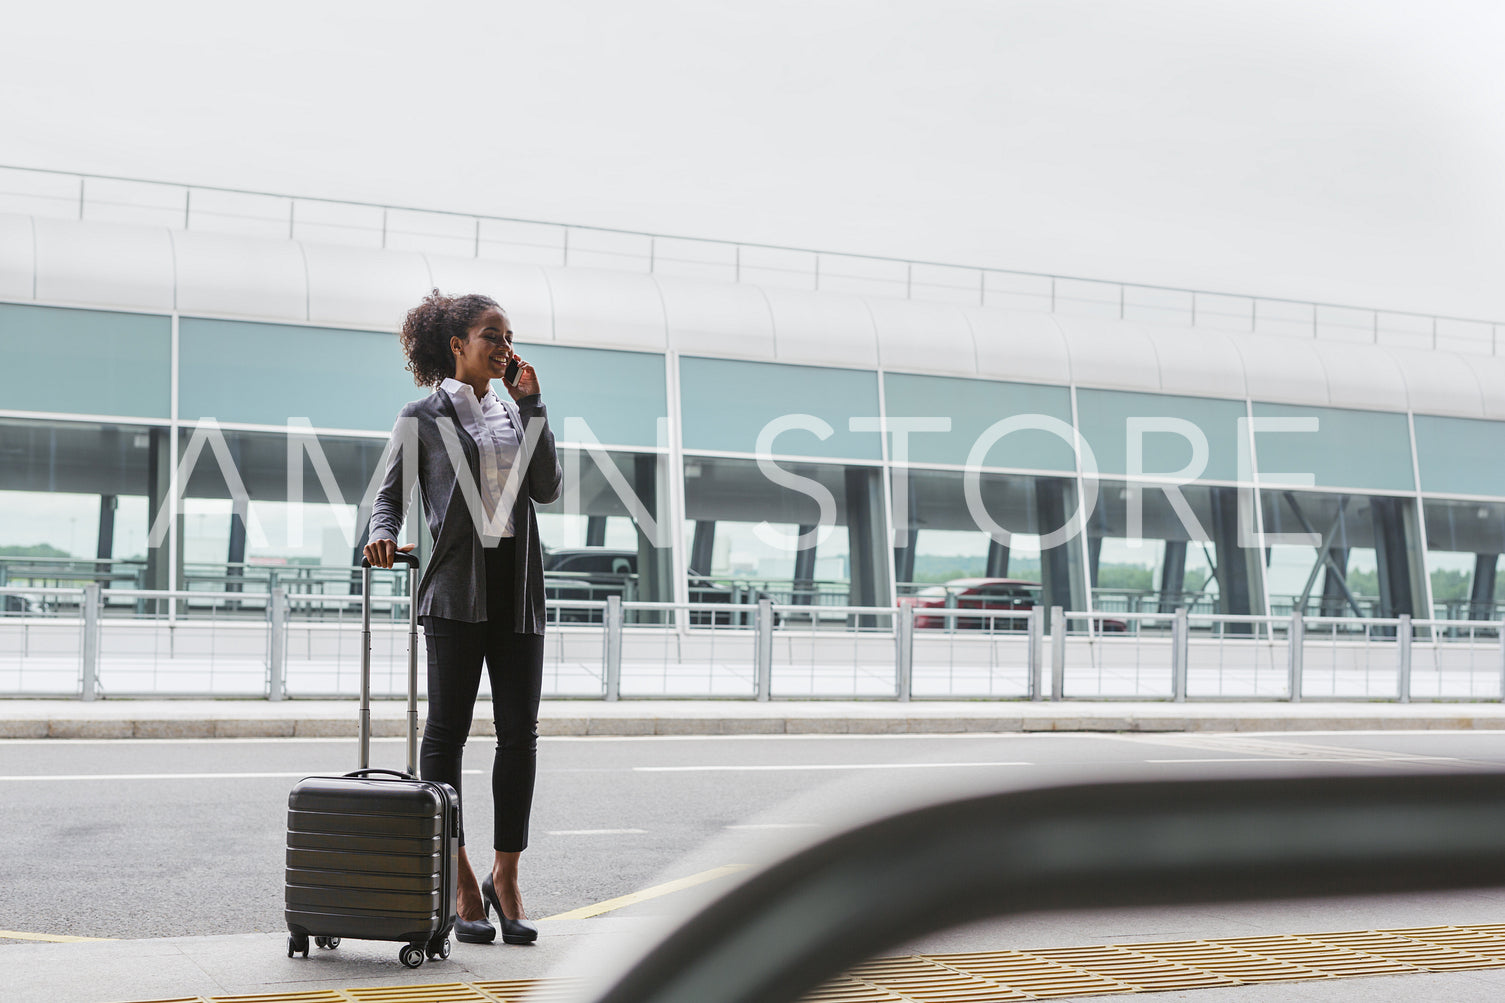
(657, 891)
(52, 938)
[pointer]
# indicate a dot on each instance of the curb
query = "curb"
(801, 724)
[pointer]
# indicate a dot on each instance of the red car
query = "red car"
(982, 593)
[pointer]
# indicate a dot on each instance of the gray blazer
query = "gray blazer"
(454, 583)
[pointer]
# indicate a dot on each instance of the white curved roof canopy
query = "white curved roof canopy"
(80, 263)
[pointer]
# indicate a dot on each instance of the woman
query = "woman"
(482, 461)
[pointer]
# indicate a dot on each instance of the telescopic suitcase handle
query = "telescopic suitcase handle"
(402, 557)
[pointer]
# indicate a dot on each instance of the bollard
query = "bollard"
(1403, 652)
(613, 647)
(1295, 643)
(904, 654)
(277, 644)
(1036, 626)
(1179, 651)
(1057, 653)
(90, 682)
(764, 648)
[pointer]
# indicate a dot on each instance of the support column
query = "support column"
(1237, 568)
(159, 465)
(236, 552)
(703, 547)
(1334, 600)
(105, 546)
(804, 570)
(595, 525)
(654, 569)
(1482, 593)
(998, 559)
(1173, 576)
(867, 536)
(904, 556)
(1392, 557)
(1055, 563)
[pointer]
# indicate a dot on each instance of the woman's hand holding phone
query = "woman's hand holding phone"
(526, 382)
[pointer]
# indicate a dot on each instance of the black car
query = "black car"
(595, 573)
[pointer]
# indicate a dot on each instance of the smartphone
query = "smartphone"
(510, 377)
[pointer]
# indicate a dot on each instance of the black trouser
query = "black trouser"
(456, 650)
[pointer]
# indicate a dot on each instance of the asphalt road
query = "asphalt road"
(130, 839)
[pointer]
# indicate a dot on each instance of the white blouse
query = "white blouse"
(491, 426)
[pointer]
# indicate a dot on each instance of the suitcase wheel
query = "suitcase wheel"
(328, 943)
(441, 951)
(412, 956)
(297, 944)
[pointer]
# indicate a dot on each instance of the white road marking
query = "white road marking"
(60, 777)
(598, 832)
(1314, 759)
(813, 766)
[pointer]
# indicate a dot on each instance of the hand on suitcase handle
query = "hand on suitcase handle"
(375, 548)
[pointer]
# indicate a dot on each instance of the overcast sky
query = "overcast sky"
(1342, 151)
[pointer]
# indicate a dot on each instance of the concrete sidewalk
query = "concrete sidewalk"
(20, 718)
(255, 964)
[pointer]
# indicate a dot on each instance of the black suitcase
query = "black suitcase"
(373, 854)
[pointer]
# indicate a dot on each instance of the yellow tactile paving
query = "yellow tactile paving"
(447, 992)
(853, 991)
(1235, 965)
(1331, 960)
(1031, 976)
(927, 981)
(1144, 971)
(1002, 976)
(531, 990)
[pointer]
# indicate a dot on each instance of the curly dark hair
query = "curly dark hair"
(429, 326)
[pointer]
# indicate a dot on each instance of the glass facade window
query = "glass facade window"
(972, 407)
(1154, 551)
(609, 533)
(1166, 430)
(74, 501)
(620, 397)
(85, 493)
(1342, 449)
(264, 374)
(1449, 452)
(1464, 543)
(243, 518)
(124, 361)
(945, 539)
(818, 544)
(1359, 556)
(727, 405)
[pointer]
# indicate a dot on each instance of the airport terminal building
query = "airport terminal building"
(715, 402)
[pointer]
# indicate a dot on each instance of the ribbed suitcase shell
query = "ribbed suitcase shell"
(372, 858)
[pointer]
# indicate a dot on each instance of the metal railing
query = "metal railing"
(63, 641)
(79, 195)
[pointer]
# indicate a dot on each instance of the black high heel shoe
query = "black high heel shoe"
(514, 931)
(474, 931)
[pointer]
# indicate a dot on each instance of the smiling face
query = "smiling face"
(484, 353)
